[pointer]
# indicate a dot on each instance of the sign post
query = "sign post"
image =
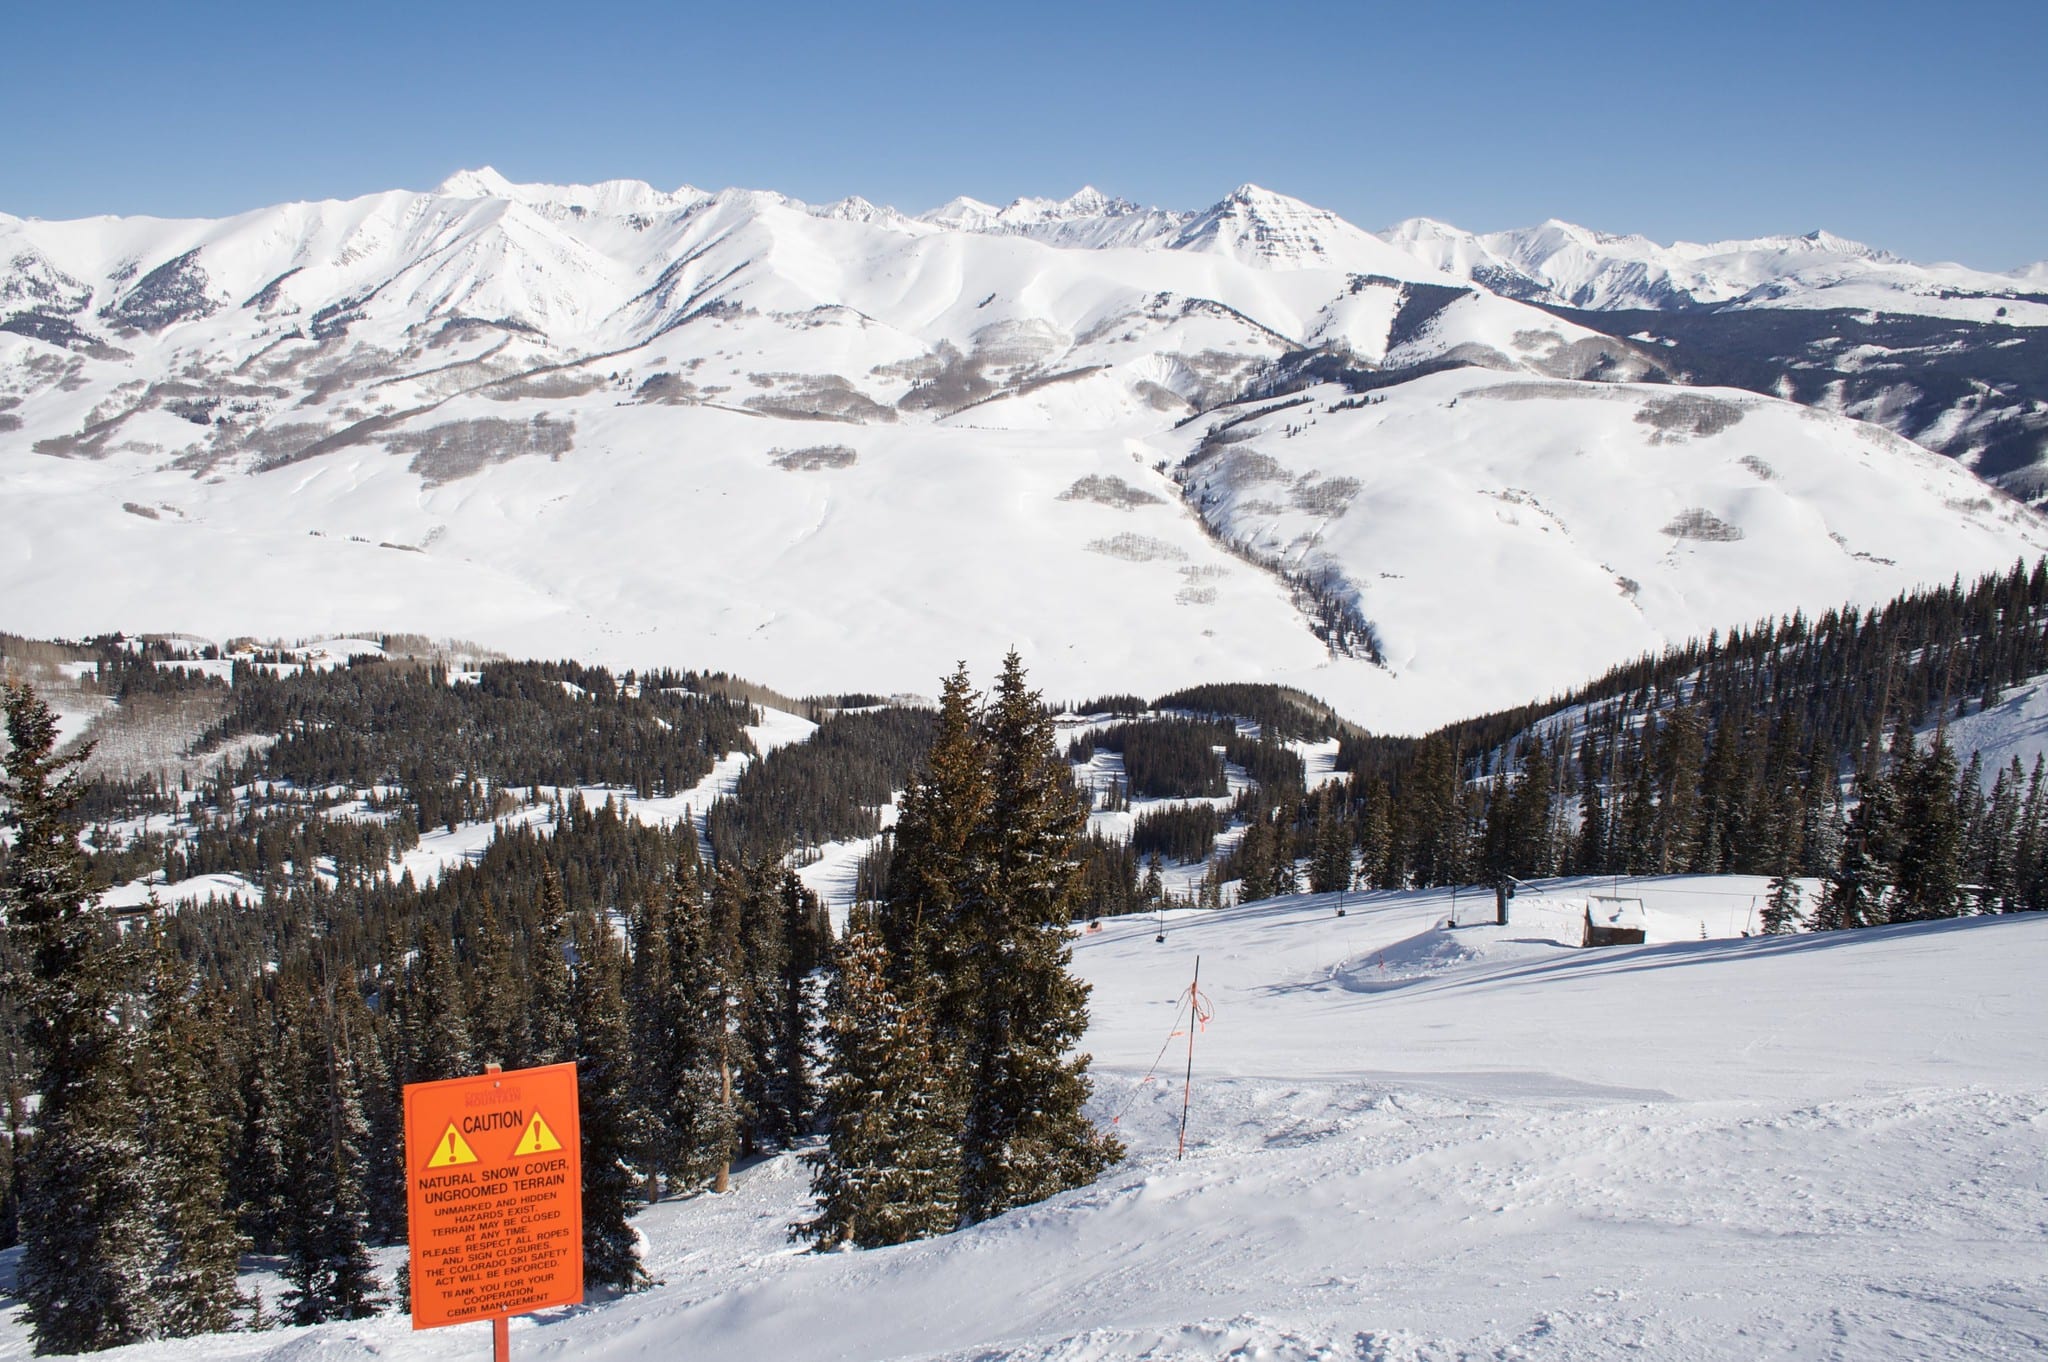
(494, 1197)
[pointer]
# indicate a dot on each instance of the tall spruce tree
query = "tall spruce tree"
(1378, 857)
(1433, 801)
(682, 1040)
(806, 936)
(1857, 891)
(1681, 748)
(1928, 841)
(751, 915)
(88, 1233)
(890, 1168)
(325, 1224)
(1997, 853)
(648, 981)
(1781, 907)
(1025, 1136)
(496, 999)
(255, 1166)
(1256, 860)
(185, 1137)
(988, 1093)
(604, 1071)
(938, 869)
(10, 1199)
(432, 1017)
(551, 1015)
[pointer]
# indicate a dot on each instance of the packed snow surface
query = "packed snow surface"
(1406, 1142)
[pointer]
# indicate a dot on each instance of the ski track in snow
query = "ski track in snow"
(1414, 1145)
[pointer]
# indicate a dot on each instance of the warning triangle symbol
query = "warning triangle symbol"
(451, 1149)
(538, 1139)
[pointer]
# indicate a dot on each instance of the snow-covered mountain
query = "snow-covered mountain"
(841, 446)
(1953, 358)
(1560, 262)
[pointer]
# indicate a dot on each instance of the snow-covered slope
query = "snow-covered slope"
(1550, 524)
(839, 447)
(1417, 1144)
(1947, 356)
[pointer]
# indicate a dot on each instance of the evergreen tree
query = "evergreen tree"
(649, 980)
(1681, 744)
(1996, 855)
(768, 1049)
(368, 1052)
(1255, 861)
(432, 1016)
(684, 1041)
(938, 868)
(186, 1139)
(806, 934)
(1436, 831)
(1929, 837)
(731, 1034)
(496, 1001)
(1330, 866)
(1856, 892)
(1781, 908)
(1529, 851)
(2032, 884)
(88, 1235)
(1820, 821)
(890, 1168)
(1590, 855)
(974, 1082)
(1637, 849)
(551, 1013)
(1378, 857)
(255, 1167)
(325, 1222)
(1025, 1136)
(611, 1252)
(1973, 813)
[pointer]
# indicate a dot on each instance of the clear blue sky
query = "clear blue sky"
(1921, 128)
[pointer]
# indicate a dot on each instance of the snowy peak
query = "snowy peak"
(854, 208)
(1822, 240)
(611, 197)
(482, 183)
(975, 216)
(962, 214)
(1088, 202)
(32, 284)
(1259, 227)
(1086, 220)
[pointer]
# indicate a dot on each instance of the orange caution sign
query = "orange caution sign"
(494, 1195)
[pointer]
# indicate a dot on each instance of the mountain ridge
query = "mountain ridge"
(569, 417)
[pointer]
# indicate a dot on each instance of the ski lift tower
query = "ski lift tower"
(1503, 889)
